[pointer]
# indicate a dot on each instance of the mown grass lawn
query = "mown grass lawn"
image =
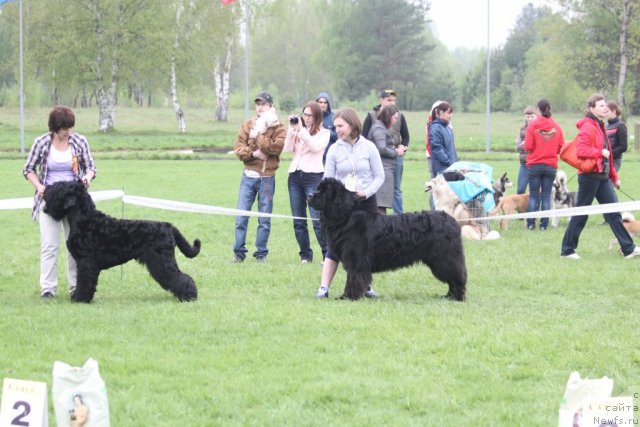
(258, 349)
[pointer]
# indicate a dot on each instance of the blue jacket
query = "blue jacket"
(327, 123)
(443, 150)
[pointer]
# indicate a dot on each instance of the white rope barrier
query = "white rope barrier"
(27, 203)
(196, 208)
(21, 203)
(567, 212)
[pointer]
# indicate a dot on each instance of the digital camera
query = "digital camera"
(294, 120)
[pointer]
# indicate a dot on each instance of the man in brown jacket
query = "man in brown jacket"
(258, 144)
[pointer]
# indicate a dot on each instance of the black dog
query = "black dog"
(368, 243)
(98, 241)
(500, 187)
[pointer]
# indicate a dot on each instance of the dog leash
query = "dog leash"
(632, 199)
(619, 189)
(570, 179)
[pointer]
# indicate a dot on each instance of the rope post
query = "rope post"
(122, 217)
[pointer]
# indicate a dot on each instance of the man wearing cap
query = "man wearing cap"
(400, 132)
(258, 144)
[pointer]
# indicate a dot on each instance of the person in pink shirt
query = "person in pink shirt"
(543, 140)
(307, 139)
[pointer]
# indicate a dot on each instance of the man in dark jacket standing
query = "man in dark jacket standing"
(400, 132)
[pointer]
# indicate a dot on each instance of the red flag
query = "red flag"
(226, 2)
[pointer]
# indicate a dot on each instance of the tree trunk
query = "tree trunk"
(623, 51)
(182, 125)
(106, 94)
(635, 102)
(221, 73)
(107, 110)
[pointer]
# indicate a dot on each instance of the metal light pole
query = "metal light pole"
(246, 59)
(21, 87)
(488, 107)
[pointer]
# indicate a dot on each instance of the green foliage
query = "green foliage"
(299, 48)
(380, 44)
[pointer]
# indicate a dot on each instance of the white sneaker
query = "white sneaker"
(323, 292)
(635, 253)
(575, 256)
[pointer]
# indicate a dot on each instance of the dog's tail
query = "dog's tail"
(184, 246)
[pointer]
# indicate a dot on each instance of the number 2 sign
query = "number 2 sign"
(24, 403)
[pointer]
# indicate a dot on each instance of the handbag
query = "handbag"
(568, 154)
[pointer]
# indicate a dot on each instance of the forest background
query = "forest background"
(189, 54)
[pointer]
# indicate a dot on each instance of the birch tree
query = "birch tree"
(221, 74)
(113, 22)
(223, 54)
(182, 125)
(624, 61)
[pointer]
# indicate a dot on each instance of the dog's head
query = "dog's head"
(332, 200)
(560, 186)
(500, 186)
(62, 197)
(561, 178)
(435, 183)
(505, 181)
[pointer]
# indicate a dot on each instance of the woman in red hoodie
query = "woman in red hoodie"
(543, 141)
(592, 143)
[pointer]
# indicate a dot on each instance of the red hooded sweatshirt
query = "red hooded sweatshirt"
(543, 141)
(590, 143)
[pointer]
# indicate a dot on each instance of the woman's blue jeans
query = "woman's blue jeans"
(540, 184)
(301, 186)
(523, 179)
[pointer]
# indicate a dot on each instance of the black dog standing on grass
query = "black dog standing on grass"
(369, 243)
(98, 242)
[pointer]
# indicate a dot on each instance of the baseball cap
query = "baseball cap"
(264, 97)
(387, 92)
(529, 110)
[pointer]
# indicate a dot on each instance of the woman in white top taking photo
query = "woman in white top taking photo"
(307, 139)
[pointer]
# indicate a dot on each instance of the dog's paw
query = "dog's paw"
(75, 297)
(453, 297)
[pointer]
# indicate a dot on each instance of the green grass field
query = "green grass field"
(258, 349)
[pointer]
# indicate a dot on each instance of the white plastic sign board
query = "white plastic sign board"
(24, 403)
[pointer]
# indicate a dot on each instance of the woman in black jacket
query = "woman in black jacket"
(617, 133)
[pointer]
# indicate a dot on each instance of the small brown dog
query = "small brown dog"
(509, 205)
(631, 224)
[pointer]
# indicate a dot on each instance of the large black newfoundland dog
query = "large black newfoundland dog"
(368, 243)
(98, 241)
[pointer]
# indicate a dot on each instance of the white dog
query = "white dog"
(447, 200)
(265, 121)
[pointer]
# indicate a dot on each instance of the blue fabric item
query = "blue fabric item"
(477, 183)
(443, 149)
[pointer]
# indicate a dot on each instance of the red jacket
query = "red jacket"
(543, 141)
(590, 143)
